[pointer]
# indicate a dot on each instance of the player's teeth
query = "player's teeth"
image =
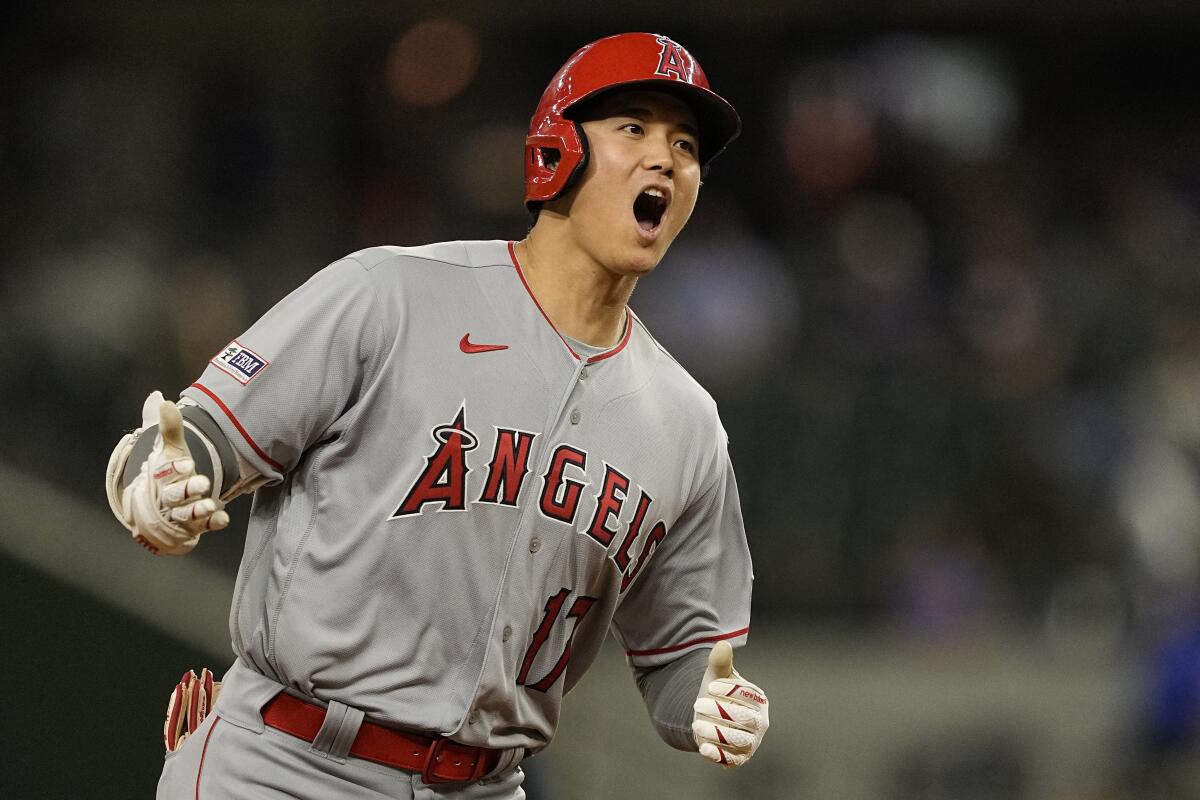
(655, 192)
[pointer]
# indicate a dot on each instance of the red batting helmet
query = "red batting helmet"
(621, 61)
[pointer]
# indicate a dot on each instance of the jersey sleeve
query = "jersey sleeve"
(278, 388)
(696, 589)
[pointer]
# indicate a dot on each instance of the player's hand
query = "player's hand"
(730, 716)
(190, 702)
(166, 507)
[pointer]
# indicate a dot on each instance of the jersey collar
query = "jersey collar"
(618, 347)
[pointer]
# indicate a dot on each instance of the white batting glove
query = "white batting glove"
(190, 702)
(166, 507)
(730, 716)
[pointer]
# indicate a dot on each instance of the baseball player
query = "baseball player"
(470, 461)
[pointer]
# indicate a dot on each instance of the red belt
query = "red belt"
(435, 759)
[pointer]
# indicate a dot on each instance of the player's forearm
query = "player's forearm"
(669, 692)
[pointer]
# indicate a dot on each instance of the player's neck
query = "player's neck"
(583, 299)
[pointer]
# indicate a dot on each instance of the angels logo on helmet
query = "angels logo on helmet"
(670, 60)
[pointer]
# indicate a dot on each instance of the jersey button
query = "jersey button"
(507, 634)
(583, 374)
(575, 416)
(535, 544)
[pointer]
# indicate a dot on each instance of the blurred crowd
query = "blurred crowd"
(945, 289)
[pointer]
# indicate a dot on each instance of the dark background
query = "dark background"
(945, 290)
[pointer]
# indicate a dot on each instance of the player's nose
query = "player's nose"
(658, 155)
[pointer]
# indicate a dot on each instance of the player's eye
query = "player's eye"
(632, 127)
(687, 145)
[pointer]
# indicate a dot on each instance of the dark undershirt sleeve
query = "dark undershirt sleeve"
(669, 692)
(200, 418)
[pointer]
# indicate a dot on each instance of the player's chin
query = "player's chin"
(643, 254)
(636, 262)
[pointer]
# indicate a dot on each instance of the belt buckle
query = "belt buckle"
(429, 769)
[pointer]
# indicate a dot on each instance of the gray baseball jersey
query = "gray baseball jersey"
(462, 506)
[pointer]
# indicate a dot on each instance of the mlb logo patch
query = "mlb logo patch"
(239, 362)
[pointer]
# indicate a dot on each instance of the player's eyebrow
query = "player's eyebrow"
(645, 114)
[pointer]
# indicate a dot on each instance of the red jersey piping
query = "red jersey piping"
(512, 253)
(249, 440)
(702, 640)
(203, 753)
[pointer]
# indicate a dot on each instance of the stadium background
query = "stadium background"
(945, 289)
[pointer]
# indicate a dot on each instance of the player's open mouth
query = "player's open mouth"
(649, 208)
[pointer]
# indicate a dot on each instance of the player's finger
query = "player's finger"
(195, 516)
(720, 660)
(208, 687)
(201, 516)
(185, 491)
(739, 691)
(150, 408)
(733, 714)
(173, 728)
(719, 756)
(195, 706)
(170, 427)
(202, 701)
(723, 735)
(175, 470)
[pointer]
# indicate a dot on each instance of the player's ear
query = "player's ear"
(551, 157)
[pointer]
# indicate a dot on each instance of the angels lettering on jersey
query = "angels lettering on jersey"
(441, 486)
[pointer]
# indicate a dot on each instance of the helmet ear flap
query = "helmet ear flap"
(585, 152)
(553, 160)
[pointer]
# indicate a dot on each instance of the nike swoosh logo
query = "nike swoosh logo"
(467, 346)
